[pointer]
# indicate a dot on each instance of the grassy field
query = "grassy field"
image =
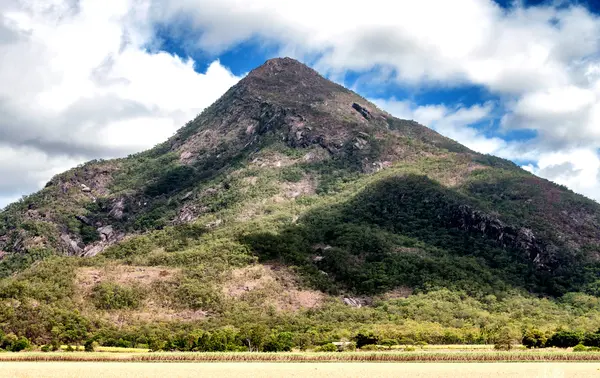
(391, 356)
(242, 370)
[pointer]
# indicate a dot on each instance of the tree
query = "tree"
(592, 339)
(90, 345)
(20, 344)
(254, 336)
(504, 340)
(564, 339)
(534, 338)
(363, 338)
(279, 342)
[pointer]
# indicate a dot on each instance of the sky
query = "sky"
(87, 79)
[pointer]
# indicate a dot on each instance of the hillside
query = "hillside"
(285, 199)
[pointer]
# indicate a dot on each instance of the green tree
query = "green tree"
(534, 338)
(564, 339)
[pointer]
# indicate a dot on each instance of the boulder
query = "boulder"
(117, 209)
(362, 110)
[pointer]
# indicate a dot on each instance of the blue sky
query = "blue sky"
(246, 55)
(517, 79)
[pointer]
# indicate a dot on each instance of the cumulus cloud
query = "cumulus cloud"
(579, 169)
(86, 78)
(541, 61)
(457, 123)
(77, 82)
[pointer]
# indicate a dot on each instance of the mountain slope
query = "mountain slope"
(290, 167)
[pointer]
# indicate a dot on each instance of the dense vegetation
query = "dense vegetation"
(437, 243)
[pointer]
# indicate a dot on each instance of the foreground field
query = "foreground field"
(242, 370)
(390, 356)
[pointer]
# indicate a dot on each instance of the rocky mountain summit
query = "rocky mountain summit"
(287, 160)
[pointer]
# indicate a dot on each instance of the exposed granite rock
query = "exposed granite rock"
(362, 110)
(117, 209)
(356, 302)
(72, 245)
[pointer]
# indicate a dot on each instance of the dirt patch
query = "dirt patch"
(87, 278)
(251, 180)
(143, 276)
(398, 293)
(272, 160)
(271, 285)
(307, 186)
(154, 313)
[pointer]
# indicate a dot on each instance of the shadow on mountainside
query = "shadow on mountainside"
(411, 231)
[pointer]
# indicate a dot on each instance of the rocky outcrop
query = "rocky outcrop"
(71, 244)
(541, 254)
(356, 302)
(117, 209)
(362, 110)
(108, 237)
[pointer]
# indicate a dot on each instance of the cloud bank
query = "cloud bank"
(83, 79)
(77, 82)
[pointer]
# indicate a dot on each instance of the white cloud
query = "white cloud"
(84, 78)
(25, 169)
(472, 41)
(541, 61)
(579, 169)
(457, 123)
(77, 82)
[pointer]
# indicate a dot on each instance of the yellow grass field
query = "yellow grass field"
(257, 370)
(432, 356)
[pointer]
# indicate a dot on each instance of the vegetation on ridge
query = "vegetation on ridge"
(249, 228)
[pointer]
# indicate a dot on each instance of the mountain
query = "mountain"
(288, 193)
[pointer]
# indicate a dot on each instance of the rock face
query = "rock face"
(356, 302)
(522, 239)
(362, 110)
(117, 209)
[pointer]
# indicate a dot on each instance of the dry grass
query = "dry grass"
(271, 285)
(143, 276)
(458, 356)
(87, 278)
(305, 187)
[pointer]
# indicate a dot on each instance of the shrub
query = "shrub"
(21, 344)
(534, 338)
(89, 234)
(46, 348)
(327, 348)
(564, 339)
(350, 347)
(409, 349)
(291, 174)
(90, 345)
(111, 296)
(580, 348)
(363, 339)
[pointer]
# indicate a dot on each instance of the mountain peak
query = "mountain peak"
(288, 81)
(286, 65)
